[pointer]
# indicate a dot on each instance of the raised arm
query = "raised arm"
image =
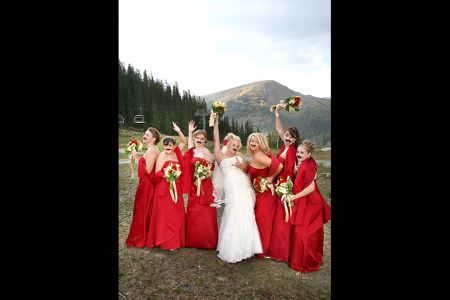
(183, 140)
(191, 127)
(217, 153)
(278, 125)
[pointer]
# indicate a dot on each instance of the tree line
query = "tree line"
(161, 104)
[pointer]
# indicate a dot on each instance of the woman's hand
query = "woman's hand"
(289, 197)
(191, 126)
(280, 107)
(134, 154)
(175, 127)
(238, 164)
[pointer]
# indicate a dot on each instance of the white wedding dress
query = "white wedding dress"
(238, 233)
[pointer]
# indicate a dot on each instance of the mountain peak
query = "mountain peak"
(253, 100)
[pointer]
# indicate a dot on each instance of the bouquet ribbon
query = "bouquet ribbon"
(211, 119)
(270, 186)
(286, 206)
(172, 191)
(199, 185)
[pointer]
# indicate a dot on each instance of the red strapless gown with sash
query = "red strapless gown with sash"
(308, 216)
(201, 219)
(265, 205)
(281, 230)
(167, 226)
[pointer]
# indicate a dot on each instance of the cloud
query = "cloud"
(208, 46)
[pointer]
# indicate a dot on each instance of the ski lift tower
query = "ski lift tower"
(202, 113)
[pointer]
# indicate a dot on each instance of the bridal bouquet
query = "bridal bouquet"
(202, 171)
(134, 145)
(261, 184)
(216, 108)
(171, 173)
(283, 188)
(293, 103)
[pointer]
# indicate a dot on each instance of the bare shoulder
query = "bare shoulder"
(207, 150)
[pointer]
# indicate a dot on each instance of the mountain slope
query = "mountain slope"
(252, 101)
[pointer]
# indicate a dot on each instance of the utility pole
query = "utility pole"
(202, 113)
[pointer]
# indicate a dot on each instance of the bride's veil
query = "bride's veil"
(217, 181)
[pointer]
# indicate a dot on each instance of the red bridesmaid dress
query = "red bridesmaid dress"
(281, 230)
(265, 205)
(142, 209)
(167, 229)
(201, 219)
(308, 216)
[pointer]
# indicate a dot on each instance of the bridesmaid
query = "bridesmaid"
(309, 214)
(263, 163)
(281, 230)
(201, 218)
(167, 221)
(143, 200)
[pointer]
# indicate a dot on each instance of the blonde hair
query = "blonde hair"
(231, 137)
(309, 145)
(200, 131)
(262, 140)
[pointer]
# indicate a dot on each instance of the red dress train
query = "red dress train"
(308, 216)
(265, 205)
(167, 228)
(201, 219)
(142, 208)
(281, 230)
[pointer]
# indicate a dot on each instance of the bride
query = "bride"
(238, 233)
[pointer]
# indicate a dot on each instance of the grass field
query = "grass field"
(193, 273)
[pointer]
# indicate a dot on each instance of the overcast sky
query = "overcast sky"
(208, 46)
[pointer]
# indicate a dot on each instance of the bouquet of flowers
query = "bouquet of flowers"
(202, 171)
(171, 173)
(134, 145)
(293, 103)
(283, 188)
(260, 184)
(216, 108)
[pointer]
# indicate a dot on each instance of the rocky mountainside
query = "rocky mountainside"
(252, 101)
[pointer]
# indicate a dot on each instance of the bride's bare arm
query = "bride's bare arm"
(217, 153)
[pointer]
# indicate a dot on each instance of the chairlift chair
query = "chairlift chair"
(139, 119)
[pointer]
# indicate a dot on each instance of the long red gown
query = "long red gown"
(201, 219)
(281, 230)
(142, 208)
(167, 228)
(266, 203)
(308, 216)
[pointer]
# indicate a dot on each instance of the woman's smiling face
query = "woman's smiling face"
(254, 144)
(289, 139)
(199, 140)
